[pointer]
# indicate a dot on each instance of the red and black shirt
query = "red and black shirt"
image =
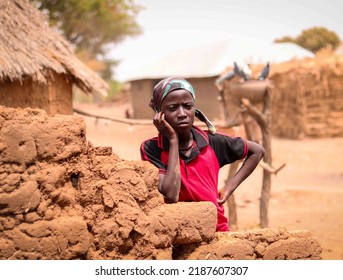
(199, 171)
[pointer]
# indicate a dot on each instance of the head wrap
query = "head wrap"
(170, 84)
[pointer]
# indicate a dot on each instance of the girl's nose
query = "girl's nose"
(182, 111)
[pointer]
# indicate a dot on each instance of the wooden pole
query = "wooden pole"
(263, 119)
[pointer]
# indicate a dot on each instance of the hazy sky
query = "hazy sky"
(175, 24)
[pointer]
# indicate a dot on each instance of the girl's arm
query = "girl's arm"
(170, 182)
(255, 154)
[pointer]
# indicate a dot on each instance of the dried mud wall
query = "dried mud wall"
(307, 98)
(62, 198)
(55, 96)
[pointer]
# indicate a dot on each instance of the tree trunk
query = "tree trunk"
(267, 178)
(263, 119)
(231, 201)
(223, 103)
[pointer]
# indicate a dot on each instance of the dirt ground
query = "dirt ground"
(306, 194)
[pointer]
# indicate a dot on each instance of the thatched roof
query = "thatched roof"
(30, 48)
(324, 63)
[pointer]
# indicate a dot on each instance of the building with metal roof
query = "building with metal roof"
(202, 65)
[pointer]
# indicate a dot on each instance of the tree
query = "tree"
(285, 39)
(317, 38)
(92, 25)
(314, 39)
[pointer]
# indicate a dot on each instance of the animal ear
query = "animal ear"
(239, 72)
(265, 72)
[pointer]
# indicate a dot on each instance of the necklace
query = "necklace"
(186, 149)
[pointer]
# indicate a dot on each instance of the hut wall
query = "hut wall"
(141, 91)
(307, 104)
(324, 108)
(287, 110)
(55, 97)
(206, 97)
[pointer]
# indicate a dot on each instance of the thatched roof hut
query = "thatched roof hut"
(307, 98)
(37, 65)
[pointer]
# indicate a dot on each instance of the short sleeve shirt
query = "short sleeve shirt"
(199, 171)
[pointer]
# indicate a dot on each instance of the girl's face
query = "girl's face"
(178, 107)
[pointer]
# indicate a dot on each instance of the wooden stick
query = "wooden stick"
(271, 169)
(136, 121)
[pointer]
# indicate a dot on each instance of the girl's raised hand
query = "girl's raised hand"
(163, 126)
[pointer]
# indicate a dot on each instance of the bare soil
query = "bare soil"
(306, 194)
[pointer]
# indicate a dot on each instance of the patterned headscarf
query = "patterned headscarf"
(170, 84)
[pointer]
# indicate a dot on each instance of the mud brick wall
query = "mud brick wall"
(62, 198)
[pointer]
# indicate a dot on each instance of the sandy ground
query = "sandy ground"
(306, 194)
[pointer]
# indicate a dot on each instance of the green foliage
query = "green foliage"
(317, 38)
(115, 90)
(314, 39)
(92, 25)
(285, 39)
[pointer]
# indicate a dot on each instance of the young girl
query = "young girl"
(189, 158)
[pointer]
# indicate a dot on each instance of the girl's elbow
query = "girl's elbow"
(261, 153)
(172, 196)
(256, 149)
(171, 199)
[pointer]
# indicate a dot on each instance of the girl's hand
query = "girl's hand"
(223, 194)
(164, 127)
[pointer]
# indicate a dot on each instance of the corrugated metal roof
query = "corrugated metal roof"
(211, 60)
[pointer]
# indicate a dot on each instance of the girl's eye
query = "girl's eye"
(189, 106)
